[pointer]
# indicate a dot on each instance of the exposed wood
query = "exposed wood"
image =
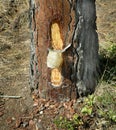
(57, 42)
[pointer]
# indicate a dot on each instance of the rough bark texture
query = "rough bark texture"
(56, 24)
(86, 47)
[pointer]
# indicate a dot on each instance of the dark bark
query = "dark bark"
(87, 65)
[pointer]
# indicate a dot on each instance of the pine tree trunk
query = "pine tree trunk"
(52, 31)
(63, 43)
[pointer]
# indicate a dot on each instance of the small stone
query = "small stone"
(41, 112)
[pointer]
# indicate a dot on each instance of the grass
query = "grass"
(64, 123)
(106, 106)
(95, 108)
(108, 64)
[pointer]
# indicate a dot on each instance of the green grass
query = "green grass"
(64, 123)
(108, 64)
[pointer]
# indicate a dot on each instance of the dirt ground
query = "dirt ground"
(14, 65)
(14, 62)
(106, 22)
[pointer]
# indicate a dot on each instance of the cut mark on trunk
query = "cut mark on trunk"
(57, 44)
(56, 77)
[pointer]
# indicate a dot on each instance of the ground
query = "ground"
(29, 112)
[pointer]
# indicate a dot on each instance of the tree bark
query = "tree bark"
(63, 43)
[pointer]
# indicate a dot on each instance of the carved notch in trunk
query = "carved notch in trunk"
(56, 44)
